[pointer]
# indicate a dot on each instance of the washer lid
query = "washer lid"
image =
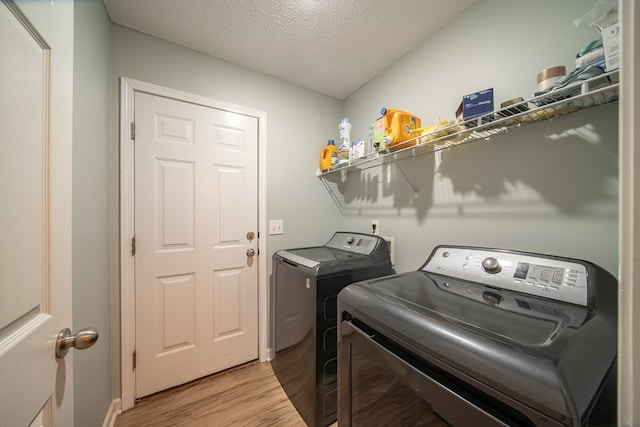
(323, 261)
(507, 316)
(345, 252)
(317, 255)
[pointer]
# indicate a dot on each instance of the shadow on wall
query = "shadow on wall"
(394, 188)
(565, 165)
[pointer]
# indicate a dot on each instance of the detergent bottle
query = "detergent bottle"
(329, 155)
(396, 125)
(345, 133)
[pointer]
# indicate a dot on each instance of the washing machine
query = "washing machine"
(480, 337)
(307, 282)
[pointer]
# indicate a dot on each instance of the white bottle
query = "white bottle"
(345, 133)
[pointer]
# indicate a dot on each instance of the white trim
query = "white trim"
(114, 410)
(127, 266)
(263, 275)
(629, 231)
(128, 87)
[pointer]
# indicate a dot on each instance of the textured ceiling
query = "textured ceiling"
(329, 46)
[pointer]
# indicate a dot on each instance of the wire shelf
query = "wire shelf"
(596, 91)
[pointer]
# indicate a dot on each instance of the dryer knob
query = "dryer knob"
(491, 265)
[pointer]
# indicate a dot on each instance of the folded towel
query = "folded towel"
(590, 57)
(599, 62)
(591, 46)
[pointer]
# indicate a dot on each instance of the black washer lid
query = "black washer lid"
(322, 254)
(346, 251)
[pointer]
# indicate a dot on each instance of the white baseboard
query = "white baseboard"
(115, 409)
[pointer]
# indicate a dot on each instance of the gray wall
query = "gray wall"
(91, 286)
(549, 187)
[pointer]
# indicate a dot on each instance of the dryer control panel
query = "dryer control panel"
(549, 277)
(355, 242)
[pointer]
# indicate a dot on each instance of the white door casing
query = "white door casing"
(36, 76)
(195, 205)
(173, 337)
(629, 234)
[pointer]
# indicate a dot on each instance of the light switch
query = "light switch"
(276, 226)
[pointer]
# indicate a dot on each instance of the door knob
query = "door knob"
(84, 338)
(251, 252)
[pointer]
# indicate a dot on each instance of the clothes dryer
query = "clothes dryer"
(307, 282)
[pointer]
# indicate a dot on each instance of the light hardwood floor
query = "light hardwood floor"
(246, 396)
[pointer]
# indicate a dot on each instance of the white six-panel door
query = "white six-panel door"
(195, 209)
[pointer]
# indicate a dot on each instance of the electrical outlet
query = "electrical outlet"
(276, 226)
(375, 227)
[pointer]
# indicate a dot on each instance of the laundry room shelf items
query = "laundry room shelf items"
(596, 91)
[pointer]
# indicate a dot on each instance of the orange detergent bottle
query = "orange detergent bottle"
(398, 125)
(329, 155)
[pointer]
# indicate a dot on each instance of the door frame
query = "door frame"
(629, 224)
(128, 88)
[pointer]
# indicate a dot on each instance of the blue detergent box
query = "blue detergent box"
(477, 104)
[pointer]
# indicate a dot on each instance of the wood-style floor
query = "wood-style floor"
(247, 396)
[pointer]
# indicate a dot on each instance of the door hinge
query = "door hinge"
(134, 359)
(133, 130)
(133, 245)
